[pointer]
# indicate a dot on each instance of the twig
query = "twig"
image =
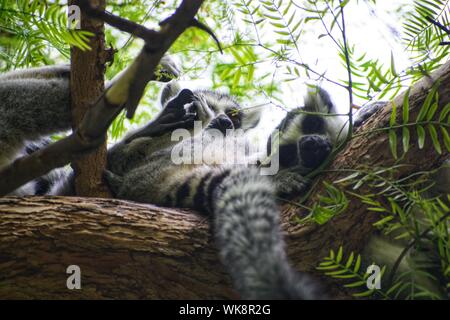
(439, 25)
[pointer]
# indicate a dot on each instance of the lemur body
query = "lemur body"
(240, 202)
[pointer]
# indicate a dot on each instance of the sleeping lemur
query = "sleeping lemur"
(238, 199)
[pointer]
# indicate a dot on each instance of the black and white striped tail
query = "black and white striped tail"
(56, 182)
(246, 225)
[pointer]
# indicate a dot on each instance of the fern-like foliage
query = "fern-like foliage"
(327, 206)
(421, 36)
(29, 29)
(416, 224)
(350, 270)
(422, 124)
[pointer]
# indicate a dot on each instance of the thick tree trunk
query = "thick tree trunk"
(124, 250)
(128, 250)
(87, 84)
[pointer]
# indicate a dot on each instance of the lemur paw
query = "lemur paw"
(204, 112)
(314, 150)
(289, 183)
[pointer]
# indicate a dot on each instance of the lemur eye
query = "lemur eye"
(233, 113)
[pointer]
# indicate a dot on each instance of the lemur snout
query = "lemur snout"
(314, 150)
(223, 123)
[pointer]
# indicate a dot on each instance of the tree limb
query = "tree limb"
(87, 70)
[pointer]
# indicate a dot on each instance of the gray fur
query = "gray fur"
(32, 108)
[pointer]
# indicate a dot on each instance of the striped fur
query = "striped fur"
(245, 220)
(247, 230)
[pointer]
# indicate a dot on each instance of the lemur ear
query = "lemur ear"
(250, 117)
(169, 91)
(185, 96)
(318, 100)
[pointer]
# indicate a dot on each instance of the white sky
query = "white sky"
(374, 29)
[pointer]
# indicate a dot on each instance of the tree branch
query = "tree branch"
(87, 70)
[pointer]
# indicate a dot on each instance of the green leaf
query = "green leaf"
(344, 3)
(350, 260)
(444, 112)
(445, 137)
(364, 294)
(237, 77)
(336, 273)
(383, 221)
(357, 264)
(394, 73)
(406, 139)
(406, 106)
(420, 136)
(392, 119)
(427, 103)
(432, 111)
(250, 72)
(356, 284)
(434, 138)
(348, 178)
(394, 288)
(339, 254)
(393, 143)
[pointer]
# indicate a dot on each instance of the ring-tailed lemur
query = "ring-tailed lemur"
(240, 201)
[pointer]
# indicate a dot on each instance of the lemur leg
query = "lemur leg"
(366, 112)
(244, 219)
(173, 116)
(156, 135)
(29, 109)
(46, 72)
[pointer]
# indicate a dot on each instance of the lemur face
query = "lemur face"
(228, 113)
(307, 139)
(304, 141)
(225, 112)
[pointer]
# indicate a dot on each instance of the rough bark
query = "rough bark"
(128, 250)
(87, 84)
(124, 250)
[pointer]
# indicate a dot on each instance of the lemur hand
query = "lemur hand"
(201, 108)
(289, 183)
(167, 70)
(173, 116)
